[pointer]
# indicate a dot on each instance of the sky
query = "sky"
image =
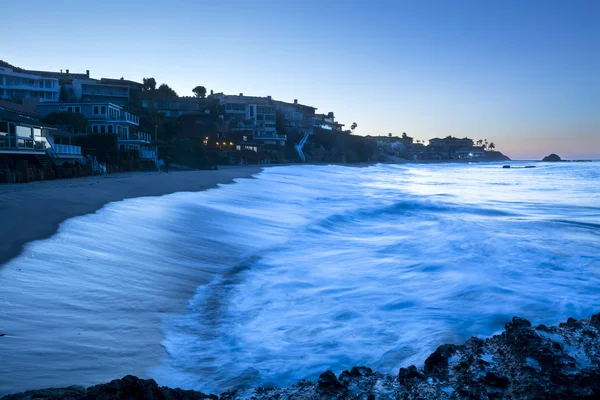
(522, 74)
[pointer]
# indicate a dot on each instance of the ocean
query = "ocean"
(304, 268)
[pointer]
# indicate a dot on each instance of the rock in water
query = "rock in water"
(552, 157)
(524, 362)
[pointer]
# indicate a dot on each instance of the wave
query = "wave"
(381, 274)
(303, 269)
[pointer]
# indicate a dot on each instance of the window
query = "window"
(78, 110)
(110, 129)
(70, 109)
(95, 129)
(24, 131)
(103, 110)
(3, 127)
(102, 128)
(95, 110)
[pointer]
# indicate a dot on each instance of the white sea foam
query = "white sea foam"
(305, 268)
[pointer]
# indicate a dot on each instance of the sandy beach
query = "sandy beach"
(86, 319)
(34, 211)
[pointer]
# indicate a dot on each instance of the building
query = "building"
(20, 85)
(24, 138)
(199, 125)
(470, 152)
(450, 143)
(116, 91)
(327, 121)
(171, 107)
(255, 115)
(296, 117)
(108, 118)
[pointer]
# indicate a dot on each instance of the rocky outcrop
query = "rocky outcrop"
(492, 155)
(552, 157)
(524, 362)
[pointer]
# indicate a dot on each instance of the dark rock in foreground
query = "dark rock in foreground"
(552, 157)
(523, 362)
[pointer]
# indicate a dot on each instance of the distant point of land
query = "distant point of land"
(552, 158)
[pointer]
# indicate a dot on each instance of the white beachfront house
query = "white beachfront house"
(109, 118)
(18, 86)
(22, 137)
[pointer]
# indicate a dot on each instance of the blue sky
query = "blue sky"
(523, 74)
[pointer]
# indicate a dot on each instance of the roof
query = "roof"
(15, 117)
(78, 103)
(19, 108)
(450, 138)
(120, 82)
(284, 103)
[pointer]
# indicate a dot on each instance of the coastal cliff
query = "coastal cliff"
(523, 362)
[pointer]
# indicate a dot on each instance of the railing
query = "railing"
(300, 145)
(67, 149)
(24, 86)
(105, 93)
(147, 154)
(21, 143)
(267, 135)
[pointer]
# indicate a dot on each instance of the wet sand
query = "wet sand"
(33, 211)
(64, 320)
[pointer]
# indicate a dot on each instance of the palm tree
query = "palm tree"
(390, 134)
(492, 146)
(479, 142)
(353, 126)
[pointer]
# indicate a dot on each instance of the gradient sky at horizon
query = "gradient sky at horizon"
(523, 74)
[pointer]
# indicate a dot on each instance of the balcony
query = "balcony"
(25, 86)
(269, 135)
(67, 150)
(136, 137)
(108, 93)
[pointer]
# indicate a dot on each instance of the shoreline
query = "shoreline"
(34, 211)
(522, 362)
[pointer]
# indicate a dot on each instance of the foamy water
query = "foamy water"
(304, 269)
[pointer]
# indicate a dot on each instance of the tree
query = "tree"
(390, 134)
(149, 84)
(491, 146)
(199, 91)
(166, 91)
(353, 126)
(479, 142)
(63, 95)
(73, 122)
(404, 135)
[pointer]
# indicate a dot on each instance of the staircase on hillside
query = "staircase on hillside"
(300, 145)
